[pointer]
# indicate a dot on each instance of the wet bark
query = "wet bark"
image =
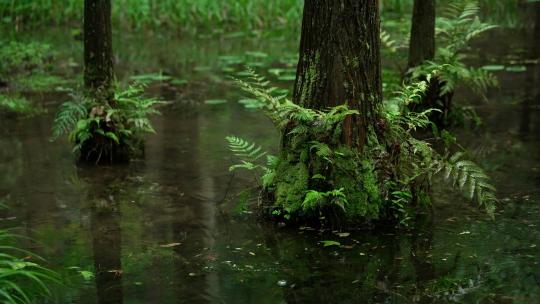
(422, 42)
(98, 60)
(340, 61)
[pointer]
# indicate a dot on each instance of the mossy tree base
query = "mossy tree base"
(306, 188)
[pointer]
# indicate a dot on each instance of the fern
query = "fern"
(418, 162)
(387, 42)
(460, 23)
(68, 115)
(249, 154)
(470, 179)
(457, 26)
(315, 199)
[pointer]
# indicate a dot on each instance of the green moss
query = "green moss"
(311, 78)
(291, 185)
(302, 171)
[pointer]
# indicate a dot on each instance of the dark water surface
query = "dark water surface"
(165, 230)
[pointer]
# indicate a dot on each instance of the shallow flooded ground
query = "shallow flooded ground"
(167, 229)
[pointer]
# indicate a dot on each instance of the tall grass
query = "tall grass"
(211, 14)
(22, 280)
(178, 14)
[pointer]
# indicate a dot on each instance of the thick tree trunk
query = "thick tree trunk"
(340, 61)
(98, 62)
(422, 42)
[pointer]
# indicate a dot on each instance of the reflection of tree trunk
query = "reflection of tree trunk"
(421, 248)
(537, 30)
(532, 96)
(107, 242)
(195, 228)
(525, 122)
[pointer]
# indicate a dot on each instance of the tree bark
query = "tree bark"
(422, 42)
(340, 62)
(98, 60)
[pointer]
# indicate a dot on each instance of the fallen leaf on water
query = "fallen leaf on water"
(330, 243)
(170, 245)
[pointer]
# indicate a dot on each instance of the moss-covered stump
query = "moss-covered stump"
(332, 186)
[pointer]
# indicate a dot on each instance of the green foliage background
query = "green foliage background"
(211, 14)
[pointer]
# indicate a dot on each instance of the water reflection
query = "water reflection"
(105, 219)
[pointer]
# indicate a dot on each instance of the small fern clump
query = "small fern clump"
(106, 131)
(317, 177)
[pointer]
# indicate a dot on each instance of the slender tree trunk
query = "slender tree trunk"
(98, 61)
(340, 61)
(422, 42)
(422, 48)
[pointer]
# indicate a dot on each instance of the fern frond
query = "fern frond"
(387, 42)
(69, 113)
(470, 179)
(315, 199)
(248, 153)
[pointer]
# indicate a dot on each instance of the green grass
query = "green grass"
(22, 280)
(215, 15)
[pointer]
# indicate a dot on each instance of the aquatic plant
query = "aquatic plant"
(101, 131)
(317, 176)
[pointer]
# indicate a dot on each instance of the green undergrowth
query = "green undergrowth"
(212, 14)
(176, 14)
(26, 66)
(18, 105)
(317, 178)
(107, 130)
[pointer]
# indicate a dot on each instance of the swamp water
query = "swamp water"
(166, 230)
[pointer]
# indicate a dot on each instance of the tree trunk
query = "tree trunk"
(422, 43)
(98, 62)
(422, 48)
(340, 62)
